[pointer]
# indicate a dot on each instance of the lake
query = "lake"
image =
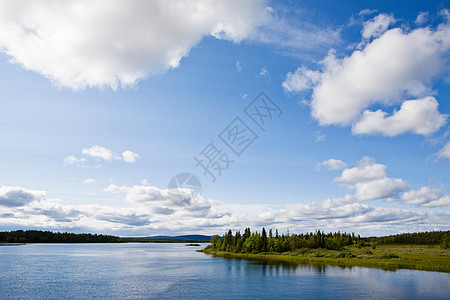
(176, 271)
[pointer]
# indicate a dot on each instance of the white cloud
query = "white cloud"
(445, 13)
(155, 212)
(367, 11)
(390, 69)
(139, 193)
(379, 189)
(368, 181)
(377, 26)
(304, 102)
(80, 44)
(444, 152)
(152, 196)
(320, 137)
(302, 79)
(89, 181)
(332, 164)
(426, 196)
(72, 160)
(99, 152)
(419, 116)
(103, 153)
(238, 66)
(264, 72)
(366, 170)
(11, 196)
(294, 35)
(421, 18)
(129, 156)
(144, 182)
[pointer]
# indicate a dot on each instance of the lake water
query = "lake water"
(175, 271)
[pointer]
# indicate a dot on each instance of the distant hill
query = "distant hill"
(37, 236)
(189, 237)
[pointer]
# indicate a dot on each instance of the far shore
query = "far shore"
(388, 257)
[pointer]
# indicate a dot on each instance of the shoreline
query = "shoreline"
(433, 263)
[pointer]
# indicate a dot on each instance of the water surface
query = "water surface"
(161, 271)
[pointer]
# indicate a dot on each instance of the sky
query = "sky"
(140, 118)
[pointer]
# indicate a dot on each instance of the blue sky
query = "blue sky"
(103, 104)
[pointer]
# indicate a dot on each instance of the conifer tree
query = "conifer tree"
(264, 240)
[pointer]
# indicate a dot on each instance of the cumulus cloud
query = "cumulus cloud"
(129, 156)
(381, 188)
(377, 26)
(171, 205)
(347, 217)
(419, 116)
(79, 44)
(144, 182)
(332, 164)
(155, 212)
(17, 196)
(392, 68)
(302, 79)
(426, 196)
(140, 193)
(162, 199)
(365, 170)
(319, 211)
(368, 180)
(154, 207)
(101, 153)
(72, 160)
(131, 219)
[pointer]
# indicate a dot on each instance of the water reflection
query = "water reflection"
(292, 266)
(155, 271)
(277, 267)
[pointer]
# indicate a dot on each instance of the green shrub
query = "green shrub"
(389, 255)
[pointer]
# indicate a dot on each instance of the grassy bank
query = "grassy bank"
(413, 257)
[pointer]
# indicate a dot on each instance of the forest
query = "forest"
(416, 238)
(37, 236)
(256, 242)
(248, 242)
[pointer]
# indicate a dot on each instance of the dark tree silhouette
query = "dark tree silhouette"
(36, 236)
(255, 243)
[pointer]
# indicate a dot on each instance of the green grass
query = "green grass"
(388, 257)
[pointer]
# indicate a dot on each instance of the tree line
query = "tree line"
(255, 242)
(37, 236)
(416, 238)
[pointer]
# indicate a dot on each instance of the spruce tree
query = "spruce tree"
(264, 240)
